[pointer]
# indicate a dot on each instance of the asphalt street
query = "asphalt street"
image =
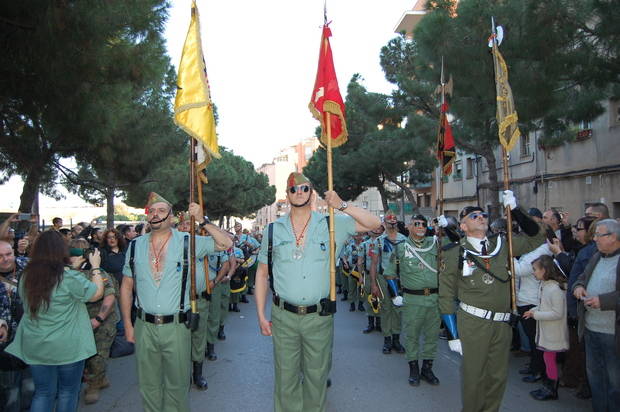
(363, 378)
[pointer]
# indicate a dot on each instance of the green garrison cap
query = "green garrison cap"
(156, 198)
(295, 179)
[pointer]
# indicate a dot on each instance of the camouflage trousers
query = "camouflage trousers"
(96, 364)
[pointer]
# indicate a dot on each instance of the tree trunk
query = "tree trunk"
(384, 199)
(109, 196)
(492, 192)
(30, 189)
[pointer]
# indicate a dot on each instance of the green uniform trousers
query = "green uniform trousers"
(218, 309)
(486, 350)
(344, 280)
(302, 351)
(96, 364)
(390, 314)
(420, 322)
(367, 292)
(199, 336)
(354, 292)
(252, 274)
(163, 359)
(224, 302)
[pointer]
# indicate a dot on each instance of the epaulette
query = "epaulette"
(449, 246)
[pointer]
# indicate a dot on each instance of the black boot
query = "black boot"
(396, 344)
(339, 289)
(352, 307)
(220, 333)
(345, 296)
(387, 345)
(414, 373)
(244, 299)
(235, 307)
(377, 323)
(427, 372)
(199, 380)
(371, 325)
(360, 306)
(211, 352)
(549, 391)
(230, 307)
(250, 291)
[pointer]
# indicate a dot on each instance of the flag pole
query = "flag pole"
(194, 316)
(200, 186)
(440, 140)
(505, 158)
(332, 241)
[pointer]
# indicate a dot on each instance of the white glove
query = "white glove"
(455, 346)
(397, 301)
(442, 221)
(509, 199)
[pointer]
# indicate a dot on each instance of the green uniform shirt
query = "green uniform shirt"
(110, 287)
(243, 238)
(62, 333)
(304, 281)
(370, 248)
(165, 298)
(352, 251)
(385, 248)
(478, 288)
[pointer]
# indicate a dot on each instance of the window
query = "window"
(585, 125)
(470, 168)
(458, 170)
(525, 145)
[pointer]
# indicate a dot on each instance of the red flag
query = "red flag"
(445, 146)
(326, 99)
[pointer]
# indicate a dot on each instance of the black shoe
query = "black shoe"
(250, 291)
(427, 372)
(230, 307)
(199, 381)
(220, 333)
(339, 291)
(352, 307)
(329, 382)
(235, 308)
(549, 391)
(371, 325)
(345, 296)
(414, 373)
(396, 344)
(443, 334)
(360, 307)
(533, 378)
(244, 299)
(378, 324)
(526, 370)
(211, 352)
(387, 345)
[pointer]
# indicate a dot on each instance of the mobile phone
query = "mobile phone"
(25, 216)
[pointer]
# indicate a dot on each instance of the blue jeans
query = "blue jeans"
(603, 366)
(56, 382)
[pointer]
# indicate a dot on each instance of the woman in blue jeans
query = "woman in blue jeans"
(55, 335)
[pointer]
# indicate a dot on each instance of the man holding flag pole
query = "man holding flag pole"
(297, 260)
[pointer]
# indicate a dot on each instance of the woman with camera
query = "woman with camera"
(55, 334)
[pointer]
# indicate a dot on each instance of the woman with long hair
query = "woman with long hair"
(113, 249)
(55, 335)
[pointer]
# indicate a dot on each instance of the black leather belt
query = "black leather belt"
(161, 319)
(300, 310)
(425, 291)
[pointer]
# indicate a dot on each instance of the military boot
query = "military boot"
(198, 379)
(371, 325)
(220, 333)
(244, 299)
(211, 352)
(396, 344)
(235, 307)
(250, 291)
(91, 394)
(387, 345)
(549, 391)
(352, 307)
(345, 295)
(377, 323)
(427, 372)
(414, 373)
(360, 306)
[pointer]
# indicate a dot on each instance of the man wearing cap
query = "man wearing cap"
(380, 277)
(303, 325)
(249, 245)
(473, 271)
(156, 268)
(369, 249)
(352, 252)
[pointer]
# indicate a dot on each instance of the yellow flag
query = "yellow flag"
(193, 109)
(507, 118)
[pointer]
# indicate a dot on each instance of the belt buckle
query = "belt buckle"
(427, 292)
(301, 310)
(158, 319)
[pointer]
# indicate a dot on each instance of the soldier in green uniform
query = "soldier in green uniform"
(344, 274)
(380, 275)
(103, 320)
(250, 246)
(303, 326)
(219, 267)
(473, 272)
(155, 268)
(417, 258)
(353, 251)
(369, 249)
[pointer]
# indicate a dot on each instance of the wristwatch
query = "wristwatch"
(99, 319)
(343, 206)
(205, 221)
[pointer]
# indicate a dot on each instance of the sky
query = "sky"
(261, 60)
(262, 57)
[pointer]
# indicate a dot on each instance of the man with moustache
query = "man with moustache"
(295, 251)
(156, 267)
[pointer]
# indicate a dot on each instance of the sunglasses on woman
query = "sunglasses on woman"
(304, 188)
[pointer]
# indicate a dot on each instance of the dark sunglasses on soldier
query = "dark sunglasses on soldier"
(304, 188)
(476, 215)
(418, 224)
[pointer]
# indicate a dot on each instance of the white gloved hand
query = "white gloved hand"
(509, 199)
(397, 301)
(455, 346)
(442, 221)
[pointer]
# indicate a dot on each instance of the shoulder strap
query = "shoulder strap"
(270, 256)
(132, 266)
(397, 259)
(185, 267)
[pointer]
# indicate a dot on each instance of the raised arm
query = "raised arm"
(364, 220)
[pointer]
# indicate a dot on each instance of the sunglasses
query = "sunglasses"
(476, 215)
(304, 188)
(418, 224)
